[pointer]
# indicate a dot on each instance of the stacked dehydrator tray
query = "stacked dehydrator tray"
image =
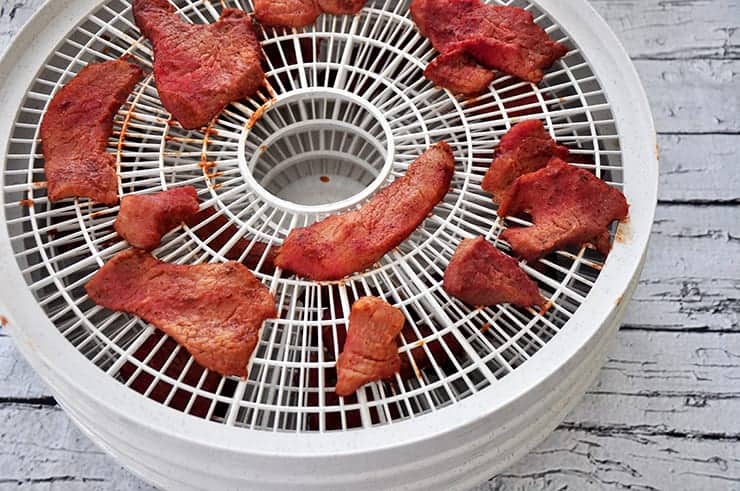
(349, 104)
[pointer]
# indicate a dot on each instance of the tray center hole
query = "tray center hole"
(320, 149)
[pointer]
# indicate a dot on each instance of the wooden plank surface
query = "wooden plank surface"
(665, 411)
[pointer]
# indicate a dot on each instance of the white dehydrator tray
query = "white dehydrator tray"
(347, 111)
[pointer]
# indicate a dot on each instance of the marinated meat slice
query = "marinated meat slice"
(504, 38)
(371, 352)
(199, 69)
(341, 7)
(343, 244)
(218, 232)
(286, 13)
(215, 311)
(145, 218)
(481, 275)
(459, 72)
(527, 147)
(569, 207)
(76, 128)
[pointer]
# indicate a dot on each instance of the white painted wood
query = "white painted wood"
(693, 96)
(700, 168)
(596, 460)
(675, 29)
(665, 411)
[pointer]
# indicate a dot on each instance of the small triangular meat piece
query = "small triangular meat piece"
(481, 275)
(286, 13)
(76, 128)
(527, 147)
(458, 72)
(199, 69)
(371, 351)
(215, 311)
(569, 207)
(145, 218)
(341, 7)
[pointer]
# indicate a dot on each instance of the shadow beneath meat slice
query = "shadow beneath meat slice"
(498, 37)
(458, 72)
(145, 218)
(481, 275)
(569, 207)
(370, 352)
(76, 128)
(344, 244)
(170, 360)
(199, 69)
(527, 147)
(217, 231)
(301, 13)
(215, 311)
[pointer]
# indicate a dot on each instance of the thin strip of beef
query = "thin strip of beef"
(459, 72)
(344, 244)
(286, 13)
(76, 128)
(215, 311)
(481, 275)
(371, 352)
(199, 69)
(526, 147)
(145, 218)
(503, 38)
(218, 232)
(341, 7)
(569, 207)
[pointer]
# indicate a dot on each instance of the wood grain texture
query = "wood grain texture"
(665, 411)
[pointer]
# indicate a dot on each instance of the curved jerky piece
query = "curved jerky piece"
(199, 69)
(504, 38)
(215, 311)
(344, 244)
(569, 207)
(526, 147)
(286, 13)
(341, 7)
(458, 72)
(145, 218)
(481, 275)
(76, 128)
(371, 352)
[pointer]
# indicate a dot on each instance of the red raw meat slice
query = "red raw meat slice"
(370, 352)
(341, 7)
(526, 147)
(215, 311)
(76, 128)
(499, 37)
(481, 275)
(343, 244)
(459, 72)
(145, 218)
(569, 207)
(199, 69)
(286, 13)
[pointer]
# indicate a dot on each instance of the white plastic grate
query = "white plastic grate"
(355, 84)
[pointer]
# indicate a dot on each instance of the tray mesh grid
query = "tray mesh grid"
(452, 350)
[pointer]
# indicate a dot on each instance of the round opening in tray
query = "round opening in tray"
(317, 151)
